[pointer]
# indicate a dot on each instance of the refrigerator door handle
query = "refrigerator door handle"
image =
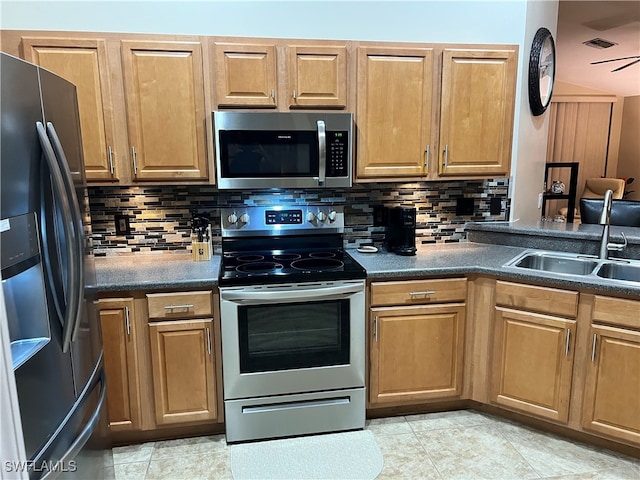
(77, 284)
(86, 433)
(60, 192)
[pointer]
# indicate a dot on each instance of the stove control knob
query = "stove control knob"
(322, 216)
(244, 218)
(332, 216)
(233, 219)
(311, 217)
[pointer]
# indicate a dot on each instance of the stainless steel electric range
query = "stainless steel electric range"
(293, 323)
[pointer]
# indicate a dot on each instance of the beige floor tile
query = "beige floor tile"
(189, 446)
(388, 426)
(131, 471)
(620, 473)
(404, 458)
(553, 456)
(140, 452)
(474, 453)
(454, 419)
(201, 466)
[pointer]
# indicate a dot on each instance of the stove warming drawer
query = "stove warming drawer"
(289, 415)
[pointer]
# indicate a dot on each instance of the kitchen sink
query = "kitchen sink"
(577, 265)
(620, 271)
(557, 263)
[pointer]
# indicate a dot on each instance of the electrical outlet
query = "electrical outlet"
(122, 225)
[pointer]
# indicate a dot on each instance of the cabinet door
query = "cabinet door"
(394, 110)
(476, 113)
(532, 363)
(612, 389)
(164, 92)
(416, 352)
(83, 61)
(183, 371)
(120, 363)
(245, 75)
(317, 76)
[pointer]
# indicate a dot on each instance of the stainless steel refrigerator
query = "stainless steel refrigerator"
(47, 265)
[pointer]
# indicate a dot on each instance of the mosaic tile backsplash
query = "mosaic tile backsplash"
(159, 216)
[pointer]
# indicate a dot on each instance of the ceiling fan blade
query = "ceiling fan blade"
(627, 65)
(615, 59)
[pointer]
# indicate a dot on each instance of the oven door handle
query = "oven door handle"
(279, 295)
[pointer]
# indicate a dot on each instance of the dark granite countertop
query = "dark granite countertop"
(178, 271)
(154, 272)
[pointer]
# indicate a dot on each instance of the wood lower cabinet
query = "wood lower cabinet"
(166, 115)
(416, 351)
(119, 333)
(477, 111)
(612, 385)
(182, 361)
(83, 62)
(394, 112)
(533, 349)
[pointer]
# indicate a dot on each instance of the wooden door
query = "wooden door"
(183, 368)
(120, 363)
(245, 75)
(476, 112)
(416, 352)
(532, 362)
(612, 389)
(394, 112)
(83, 61)
(317, 76)
(164, 92)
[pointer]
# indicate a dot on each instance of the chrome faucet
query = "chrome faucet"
(605, 245)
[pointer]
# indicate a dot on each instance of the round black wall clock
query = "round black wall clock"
(542, 71)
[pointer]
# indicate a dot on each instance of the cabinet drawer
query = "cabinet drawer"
(616, 310)
(563, 303)
(179, 305)
(419, 292)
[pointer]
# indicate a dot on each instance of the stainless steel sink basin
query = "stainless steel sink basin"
(622, 270)
(557, 263)
(619, 271)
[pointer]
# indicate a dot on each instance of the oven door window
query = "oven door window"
(290, 336)
(268, 154)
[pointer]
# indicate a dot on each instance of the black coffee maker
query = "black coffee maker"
(401, 230)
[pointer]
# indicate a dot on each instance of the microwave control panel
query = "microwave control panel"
(337, 154)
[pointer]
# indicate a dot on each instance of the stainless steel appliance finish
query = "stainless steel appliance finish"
(283, 150)
(61, 387)
(293, 323)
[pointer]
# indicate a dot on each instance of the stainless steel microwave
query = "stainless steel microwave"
(283, 150)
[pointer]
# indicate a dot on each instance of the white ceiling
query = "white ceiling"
(615, 21)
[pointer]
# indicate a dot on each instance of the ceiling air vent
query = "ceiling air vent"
(599, 43)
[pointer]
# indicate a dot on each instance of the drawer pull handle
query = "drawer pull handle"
(566, 345)
(208, 341)
(182, 307)
(375, 328)
(593, 347)
(127, 321)
(426, 292)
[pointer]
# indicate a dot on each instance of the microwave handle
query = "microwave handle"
(322, 151)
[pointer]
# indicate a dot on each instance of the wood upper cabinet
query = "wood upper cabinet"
(416, 351)
(533, 349)
(83, 61)
(245, 75)
(119, 334)
(184, 379)
(317, 76)
(612, 385)
(394, 112)
(477, 112)
(280, 76)
(165, 108)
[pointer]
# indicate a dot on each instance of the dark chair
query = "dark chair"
(624, 213)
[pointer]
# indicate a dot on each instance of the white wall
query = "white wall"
(471, 21)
